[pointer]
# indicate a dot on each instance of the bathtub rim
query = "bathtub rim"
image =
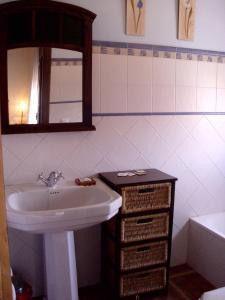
(209, 229)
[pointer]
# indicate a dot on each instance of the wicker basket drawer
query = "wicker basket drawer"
(143, 255)
(144, 227)
(141, 282)
(141, 198)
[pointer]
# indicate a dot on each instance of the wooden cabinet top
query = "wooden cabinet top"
(151, 176)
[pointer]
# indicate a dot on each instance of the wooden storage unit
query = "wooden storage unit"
(136, 243)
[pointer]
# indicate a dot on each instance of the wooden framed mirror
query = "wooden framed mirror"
(46, 67)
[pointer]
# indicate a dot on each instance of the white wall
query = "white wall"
(161, 22)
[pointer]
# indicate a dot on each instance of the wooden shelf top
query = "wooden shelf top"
(151, 176)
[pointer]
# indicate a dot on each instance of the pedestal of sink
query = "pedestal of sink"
(60, 264)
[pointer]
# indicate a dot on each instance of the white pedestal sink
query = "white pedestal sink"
(56, 212)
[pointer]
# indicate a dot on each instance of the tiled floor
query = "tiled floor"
(184, 284)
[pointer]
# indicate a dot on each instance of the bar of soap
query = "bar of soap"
(85, 181)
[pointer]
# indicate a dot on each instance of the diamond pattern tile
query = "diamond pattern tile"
(145, 138)
(194, 157)
(119, 152)
(188, 147)
(200, 200)
(173, 134)
(204, 134)
(23, 146)
(10, 162)
(105, 137)
(84, 158)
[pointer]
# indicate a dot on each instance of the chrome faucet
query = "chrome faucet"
(52, 179)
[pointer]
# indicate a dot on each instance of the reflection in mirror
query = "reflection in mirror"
(25, 91)
(66, 87)
(23, 85)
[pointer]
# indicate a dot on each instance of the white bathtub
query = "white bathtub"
(206, 247)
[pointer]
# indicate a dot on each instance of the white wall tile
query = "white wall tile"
(142, 135)
(120, 124)
(189, 121)
(207, 74)
(206, 99)
(10, 162)
(105, 138)
(90, 158)
(121, 150)
(194, 157)
(163, 71)
(221, 76)
(186, 99)
(24, 144)
(139, 83)
(220, 102)
(158, 122)
(186, 73)
(182, 213)
(163, 98)
(141, 163)
(200, 200)
(218, 122)
(113, 83)
(204, 133)
(51, 150)
(214, 185)
(173, 134)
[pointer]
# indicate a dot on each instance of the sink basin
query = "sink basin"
(56, 212)
(39, 209)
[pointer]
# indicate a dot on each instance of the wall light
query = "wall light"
(22, 109)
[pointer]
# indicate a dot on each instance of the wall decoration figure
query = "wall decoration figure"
(186, 19)
(135, 17)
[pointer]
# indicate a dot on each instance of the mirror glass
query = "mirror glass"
(25, 87)
(65, 86)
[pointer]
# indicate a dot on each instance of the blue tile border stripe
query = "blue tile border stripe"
(159, 51)
(66, 102)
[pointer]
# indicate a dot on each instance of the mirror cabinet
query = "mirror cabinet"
(46, 67)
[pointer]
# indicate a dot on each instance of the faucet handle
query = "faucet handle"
(60, 175)
(40, 176)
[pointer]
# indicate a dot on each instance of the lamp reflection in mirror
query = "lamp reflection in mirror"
(22, 109)
(23, 83)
